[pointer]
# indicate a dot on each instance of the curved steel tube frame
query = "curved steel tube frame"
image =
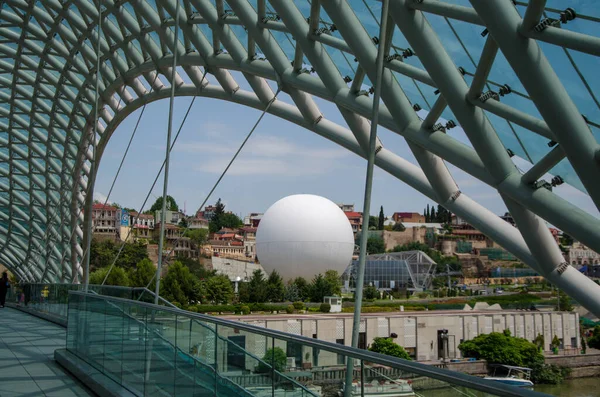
(50, 108)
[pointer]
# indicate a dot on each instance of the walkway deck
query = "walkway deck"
(27, 366)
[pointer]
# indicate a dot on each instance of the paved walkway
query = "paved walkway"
(27, 366)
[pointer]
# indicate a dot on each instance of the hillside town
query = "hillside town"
(229, 246)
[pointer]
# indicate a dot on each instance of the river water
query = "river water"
(582, 387)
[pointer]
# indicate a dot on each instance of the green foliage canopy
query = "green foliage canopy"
(274, 358)
(218, 289)
(180, 286)
(117, 276)
(502, 348)
(275, 287)
(375, 245)
(142, 274)
(171, 204)
(388, 347)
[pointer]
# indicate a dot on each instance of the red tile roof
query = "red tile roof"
(98, 206)
(406, 214)
(350, 214)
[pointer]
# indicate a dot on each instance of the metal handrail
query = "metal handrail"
(454, 378)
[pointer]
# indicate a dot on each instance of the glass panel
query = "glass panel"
(239, 369)
(161, 374)
(135, 336)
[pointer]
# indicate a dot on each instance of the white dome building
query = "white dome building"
(303, 235)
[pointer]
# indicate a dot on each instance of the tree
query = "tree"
(180, 286)
(117, 276)
(432, 215)
(398, 227)
(594, 340)
(319, 288)
(231, 221)
(274, 358)
(373, 222)
(275, 288)
(222, 219)
(257, 287)
(427, 214)
(218, 289)
(183, 222)
(104, 253)
(303, 288)
(370, 292)
(388, 347)
(566, 240)
(502, 348)
(381, 219)
(334, 282)
(142, 274)
(291, 293)
(375, 245)
(197, 268)
(564, 302)
(198, 236)
(171, 205)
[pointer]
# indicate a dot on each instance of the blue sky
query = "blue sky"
(279, 159)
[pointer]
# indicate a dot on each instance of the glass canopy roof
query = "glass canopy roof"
(48, 57)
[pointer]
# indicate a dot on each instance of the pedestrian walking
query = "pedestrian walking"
(4, 286)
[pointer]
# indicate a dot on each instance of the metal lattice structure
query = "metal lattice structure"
(517, 77)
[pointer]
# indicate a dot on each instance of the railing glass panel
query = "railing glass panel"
(158, 350)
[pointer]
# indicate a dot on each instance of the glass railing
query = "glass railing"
(153, 350)
(53, 298)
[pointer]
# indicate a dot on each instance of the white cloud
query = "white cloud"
(101, 197)
(265, 155)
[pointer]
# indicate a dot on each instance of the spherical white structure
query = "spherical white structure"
(303, 235)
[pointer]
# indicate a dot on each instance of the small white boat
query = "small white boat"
(387, 388)
(516, 376)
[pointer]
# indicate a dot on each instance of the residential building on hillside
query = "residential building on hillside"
(174, 243)
(171, 217)
(579, 254)
(253, 219)
(346, 207)
(456, 220)
(412, 217)
(105, 221)
(198, 223)
(207, 213)
(228, 249)
(249, 237)
(142, 224)
(355, 219)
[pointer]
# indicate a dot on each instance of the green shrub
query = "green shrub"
(193, 309)
(299, 305)
(325, 308)
(422, 295)
(388, 347)
(313, 309)
(289, 309)
(245, 309)
(275, 358)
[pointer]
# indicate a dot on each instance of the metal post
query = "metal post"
(367, 202)
(92, 173)
(161, 237)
